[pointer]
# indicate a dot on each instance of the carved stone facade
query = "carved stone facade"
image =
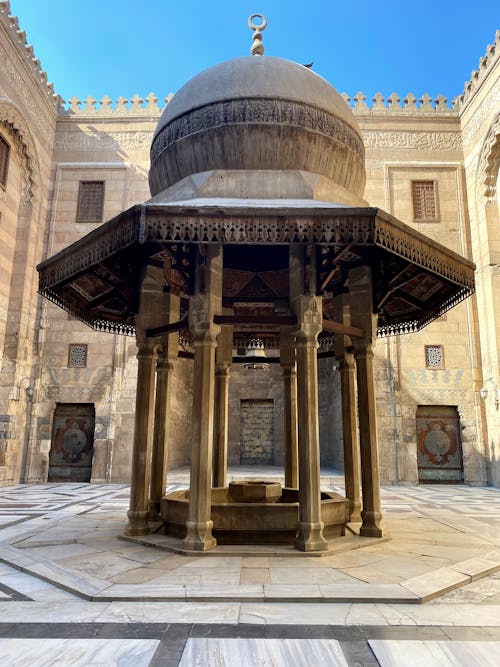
(53, 147)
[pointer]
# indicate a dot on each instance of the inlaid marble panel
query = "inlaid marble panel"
(77, 652)
(436, 653)
(269, 652)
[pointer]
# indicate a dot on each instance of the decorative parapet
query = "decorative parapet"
(26, 52)
(477, 76)
(148, 106)
(393, 105)
(136, 106)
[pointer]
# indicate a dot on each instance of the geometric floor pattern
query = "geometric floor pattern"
(265, 610)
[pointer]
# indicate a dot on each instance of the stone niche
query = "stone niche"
(255, 434)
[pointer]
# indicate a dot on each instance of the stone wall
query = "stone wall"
(28, 110)
(480, 122)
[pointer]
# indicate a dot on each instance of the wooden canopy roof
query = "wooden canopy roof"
(97, 279)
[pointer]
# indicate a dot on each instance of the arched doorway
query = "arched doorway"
(72, 447)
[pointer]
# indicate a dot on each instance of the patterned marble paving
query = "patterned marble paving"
(68, 533)
(436, 654)
(262, 652)
(77, 652)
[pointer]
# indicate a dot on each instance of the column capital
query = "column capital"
(309, 311)
(364, 348)
(346, 361)
(146, 347)
(222, 370)
(165, 363)
(201, 323)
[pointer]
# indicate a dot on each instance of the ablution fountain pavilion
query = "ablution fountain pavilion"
(257, 237)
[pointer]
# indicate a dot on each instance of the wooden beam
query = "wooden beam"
(329, 277)
(276, 320)
(343, 329)
(167, 328)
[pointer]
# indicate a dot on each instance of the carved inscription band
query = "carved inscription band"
(267, 111)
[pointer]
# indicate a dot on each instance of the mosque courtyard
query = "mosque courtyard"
(74, 592)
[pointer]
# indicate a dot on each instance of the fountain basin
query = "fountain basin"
(249, 522)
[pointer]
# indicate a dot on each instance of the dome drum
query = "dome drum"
(279, 135)
(258, 114)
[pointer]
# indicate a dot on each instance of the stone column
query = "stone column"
(150, 308)
(161, 434)
(310, 533)
(362, 316)
(223, 359)
(202, 308)
(287, 361)
(345, 357)
(308, 309)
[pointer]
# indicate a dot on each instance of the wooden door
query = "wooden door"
(70, 458)
(257, 432)
(439, 447)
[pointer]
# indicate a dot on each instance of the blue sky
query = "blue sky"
(122, 47)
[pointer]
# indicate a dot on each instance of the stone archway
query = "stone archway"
(489, 161)
(12, 119)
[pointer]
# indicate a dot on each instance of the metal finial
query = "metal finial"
(257, 46)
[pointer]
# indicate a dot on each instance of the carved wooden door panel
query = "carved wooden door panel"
(257, 432)
(439, 447)
(70, 458)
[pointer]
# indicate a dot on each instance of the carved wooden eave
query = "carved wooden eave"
(415, 279)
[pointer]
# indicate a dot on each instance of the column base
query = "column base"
(355, 512)
(310, 537)
(137, 523)
(199, 536)
(370, 527)
(154, 510)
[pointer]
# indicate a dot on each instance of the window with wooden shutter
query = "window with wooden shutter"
(4, 161)
(90, 201)
(425, 205)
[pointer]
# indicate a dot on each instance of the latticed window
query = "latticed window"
(90, 201)
(77, 355)
(434, 356)
(424, 194)
(4, 161)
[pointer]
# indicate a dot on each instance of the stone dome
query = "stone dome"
(257, 113)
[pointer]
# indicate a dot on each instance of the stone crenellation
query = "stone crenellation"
(136, 106)
(19, 38)
(148, 106)
(394, 104)
(486, 63)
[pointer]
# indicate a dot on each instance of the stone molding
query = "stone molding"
(26, 52)
(489, 161)
(102, 141)
(372, 139)
(415, 140)
(12, 118)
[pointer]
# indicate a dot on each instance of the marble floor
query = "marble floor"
(65, 574)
